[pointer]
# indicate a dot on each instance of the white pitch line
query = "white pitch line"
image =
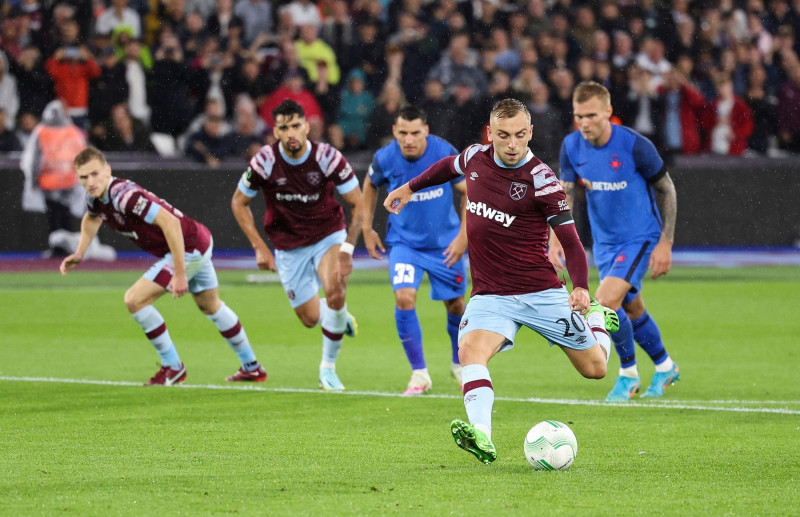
(696, 405)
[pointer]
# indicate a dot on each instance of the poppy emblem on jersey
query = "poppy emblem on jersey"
(313, 178)
(615, 163)
(517, 190)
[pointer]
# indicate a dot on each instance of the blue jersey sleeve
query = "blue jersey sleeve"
(648, 162)
(567, 172)
(375, 171)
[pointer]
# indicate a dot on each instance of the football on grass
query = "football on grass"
(550, 445)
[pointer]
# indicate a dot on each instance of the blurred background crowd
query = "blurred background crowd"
(200, 77)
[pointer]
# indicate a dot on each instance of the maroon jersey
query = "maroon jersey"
(507, 222)
(130, 210)
(300, 205)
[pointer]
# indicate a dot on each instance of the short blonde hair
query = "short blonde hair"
(89, 154)
(590, 89)
(508, 108)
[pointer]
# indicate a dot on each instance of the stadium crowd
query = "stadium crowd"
(700, 76)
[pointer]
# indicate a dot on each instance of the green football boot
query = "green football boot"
(473, 441)
(611, 317)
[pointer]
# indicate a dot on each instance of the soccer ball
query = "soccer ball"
(550, 445)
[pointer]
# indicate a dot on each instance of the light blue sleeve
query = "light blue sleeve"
(347, 186)
(150, 216)
(247, 191)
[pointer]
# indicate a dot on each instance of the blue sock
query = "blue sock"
(152, 323)
(227, 322)
(647, 334)
(410, 332)
(452, 329)
(623, 340)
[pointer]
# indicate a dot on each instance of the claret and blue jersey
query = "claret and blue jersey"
(429, 207)
(618, 178)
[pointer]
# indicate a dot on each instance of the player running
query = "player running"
(512, 200)
(184, 247)
(427, 237)
(307, 227)
(632, 210)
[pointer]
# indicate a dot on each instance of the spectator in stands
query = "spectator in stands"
(34, 84)
(119, 14)
(683, 105)
(27, 123)
(202, 7)
(172, 105)
(247, 136)
(623, 53)
(209, 144)
(322, 67)
(789, 109)
(644, 104)
(460, 64)
(71, 67)
(137, 77)
(367, 53)
(256, 15)
(339, 30)
(293, 87)
(252, 82)
(9, 96)
(764, 108)
(471, 113)
(391, 99)
(437, 106)
(223, 19)
(548, 130)
(107, 90)
(124, 133)
(8, 138)
(303, 12)
(357, 103)
(727, 120)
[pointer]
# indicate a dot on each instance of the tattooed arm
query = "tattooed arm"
(667, 202)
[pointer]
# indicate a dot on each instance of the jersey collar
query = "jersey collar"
(525, 160)
(299, 160)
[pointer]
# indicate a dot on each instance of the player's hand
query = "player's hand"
(179, 285)
(397, 199)
(70, 262)
(455, 250)
(579, 300)
(661, 259)
(345, 264)
(556, 255)
(265, 259)
(373, 243)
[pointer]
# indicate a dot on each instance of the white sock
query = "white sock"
(666, 366)
(631, 371)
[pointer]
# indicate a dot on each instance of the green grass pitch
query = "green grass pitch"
(80, 436)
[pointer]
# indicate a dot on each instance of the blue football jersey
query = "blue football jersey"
(618, 177)
(430, 220)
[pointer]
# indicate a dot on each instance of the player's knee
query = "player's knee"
(308, 322)
(594, 370)
(335, 298)
(405, 301)
(456, 306)
(132, 302)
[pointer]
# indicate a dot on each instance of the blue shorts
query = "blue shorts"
(628, 261)
(546, 312)
(298, 268)
(407, 266)
(199, 271)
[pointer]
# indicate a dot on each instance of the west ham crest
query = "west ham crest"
(517, 190)
(313, 178)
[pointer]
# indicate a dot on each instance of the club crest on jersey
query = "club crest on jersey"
(314, 178)
(615, 163)
(517, 190)
(464, 323)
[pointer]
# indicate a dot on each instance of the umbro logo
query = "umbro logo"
(473, 175)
